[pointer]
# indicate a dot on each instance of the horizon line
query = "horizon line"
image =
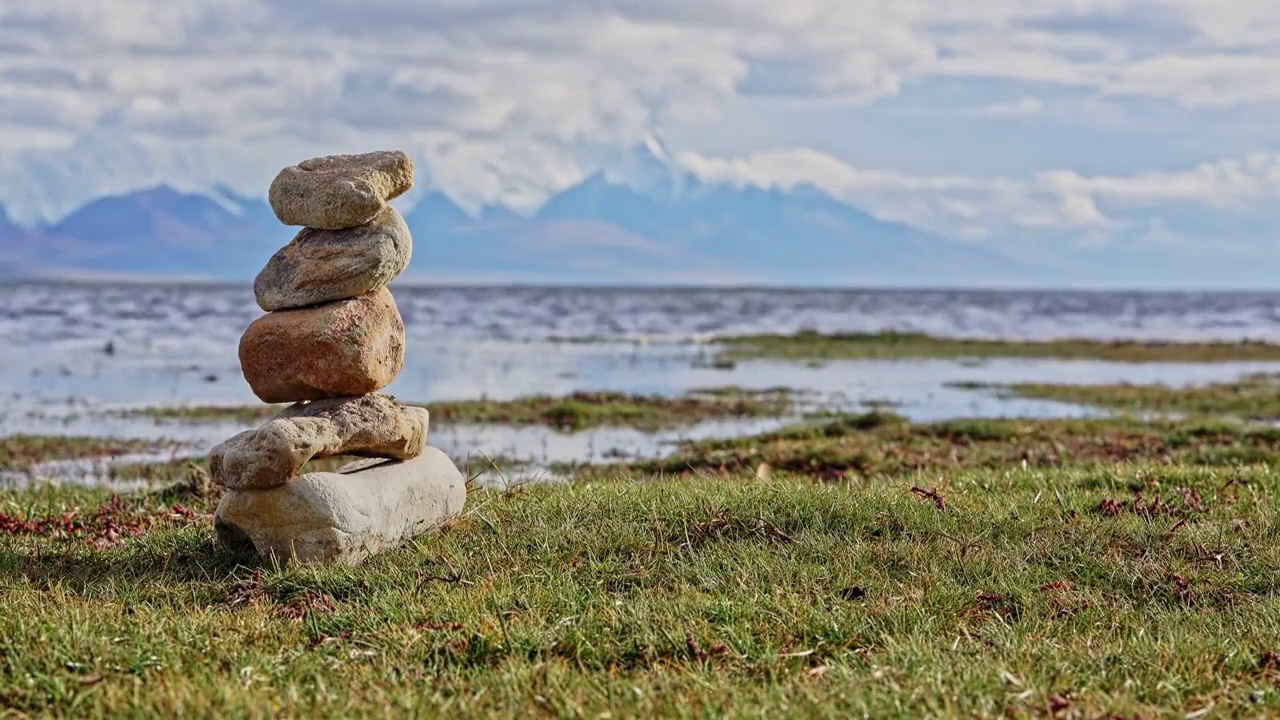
(658, 286)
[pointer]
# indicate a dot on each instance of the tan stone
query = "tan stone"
(324, 265)
(269, 456)
(340, 191)
(347, 516)
(339, 349)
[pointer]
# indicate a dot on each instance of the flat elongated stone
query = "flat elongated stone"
(340, 191)
(340, 349)
(323, 265)
(347, 516)
(269, 456)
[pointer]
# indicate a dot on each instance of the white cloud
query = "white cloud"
(499, 98)
(1210, 81)
(1229, 183)
(1023, 107)
(1085, 208)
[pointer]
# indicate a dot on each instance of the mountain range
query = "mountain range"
(644, 222)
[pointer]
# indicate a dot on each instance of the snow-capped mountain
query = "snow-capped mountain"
(648, 169)
(640, 219)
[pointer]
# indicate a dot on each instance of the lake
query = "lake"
(70, 353)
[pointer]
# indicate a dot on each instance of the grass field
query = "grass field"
(878, 444)
(18, 453)
(854, 566)
(1255, 397)
(571, 413)
(817, 347)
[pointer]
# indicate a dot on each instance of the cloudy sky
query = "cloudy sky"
(1096, 121)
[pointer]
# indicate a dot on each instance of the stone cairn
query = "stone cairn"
(331, 339)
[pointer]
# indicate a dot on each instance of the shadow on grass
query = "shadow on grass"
(186, 558)
(98, 541)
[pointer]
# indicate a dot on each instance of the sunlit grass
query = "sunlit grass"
(1008, 591)
(854, 565)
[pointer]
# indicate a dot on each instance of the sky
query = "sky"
(1145, 123)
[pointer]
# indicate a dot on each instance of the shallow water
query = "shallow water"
(68, 353)
(177, 315)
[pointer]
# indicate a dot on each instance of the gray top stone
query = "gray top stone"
(340, 191)
(324, 265)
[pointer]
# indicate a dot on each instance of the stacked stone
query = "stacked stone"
(331, 339)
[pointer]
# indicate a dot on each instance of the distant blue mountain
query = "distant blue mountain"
(155, 232)
(11, 237)
(647, 222)
(801, 233)
(435, 210)
(684, 228)
(162, 231)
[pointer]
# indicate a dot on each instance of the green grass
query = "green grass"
(877, 443)
(972, 568)
(19, 453)
(570, 413)
(193, 414)
(1255, 397)
(584, 410)
(195, 469)
(1028, 590)
(814, 346)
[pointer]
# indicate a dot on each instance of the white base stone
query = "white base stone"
(347, 516)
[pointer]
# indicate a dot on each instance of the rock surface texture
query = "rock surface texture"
(344, 517)
(339, 349)
(324, 265)
(340, 191)
(369, 426)
(331, 337)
